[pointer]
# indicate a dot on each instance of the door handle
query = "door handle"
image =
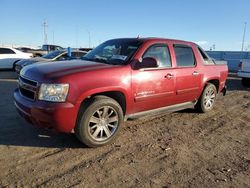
(169, 76)
(195, 73)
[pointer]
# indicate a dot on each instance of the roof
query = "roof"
(155, 39)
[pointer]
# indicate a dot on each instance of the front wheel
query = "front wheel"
(100, 122)
(207, 99)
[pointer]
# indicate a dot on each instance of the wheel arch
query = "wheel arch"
(117, 95)
(215, 82)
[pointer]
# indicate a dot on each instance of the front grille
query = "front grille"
(28, 81)
(28, 88)
(27, 93)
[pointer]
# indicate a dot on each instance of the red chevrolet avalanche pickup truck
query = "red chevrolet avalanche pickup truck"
(119, 79)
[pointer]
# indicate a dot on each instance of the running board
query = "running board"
(173, 108)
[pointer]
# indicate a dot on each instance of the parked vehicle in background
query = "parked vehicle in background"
(10, 56)
(23, 49)
(244, 72)
(86, 49)
(60, 55)
(51, 47)
(46, 48)
(119, 79)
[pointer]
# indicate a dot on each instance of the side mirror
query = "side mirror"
(148, 62)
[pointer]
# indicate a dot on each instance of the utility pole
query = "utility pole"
(53, 38)
(244, 33)
(77, 35)
(45, 25)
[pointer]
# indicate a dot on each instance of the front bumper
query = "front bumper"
(58, 116)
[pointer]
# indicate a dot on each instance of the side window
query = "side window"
(184, 56)
(6, 51)
(203, 54)
(63, 57)
(52, 48)
(1, 51)
(78, 54)
(161, 53)
(57, 48)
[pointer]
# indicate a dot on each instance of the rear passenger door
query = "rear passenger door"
(188, 77)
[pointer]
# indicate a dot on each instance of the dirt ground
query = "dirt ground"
(182, 149)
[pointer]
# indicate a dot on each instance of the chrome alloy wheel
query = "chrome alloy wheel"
(103, 123)
(209, 98)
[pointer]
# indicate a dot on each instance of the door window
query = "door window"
(6, 51)
(161, 53)
(184, 56)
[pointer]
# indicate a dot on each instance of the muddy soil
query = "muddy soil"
(182, 149)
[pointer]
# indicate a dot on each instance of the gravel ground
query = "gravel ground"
(182, 149)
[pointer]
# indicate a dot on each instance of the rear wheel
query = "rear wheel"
(245, 82)
(207, 99)
(100, 122)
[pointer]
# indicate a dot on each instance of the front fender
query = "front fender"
(101, 90)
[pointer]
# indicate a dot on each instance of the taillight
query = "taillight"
(240, 65)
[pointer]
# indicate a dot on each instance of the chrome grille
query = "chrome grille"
(28, 88)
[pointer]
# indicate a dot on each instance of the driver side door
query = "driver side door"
(154, 87)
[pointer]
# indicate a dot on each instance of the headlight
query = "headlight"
(53, 92)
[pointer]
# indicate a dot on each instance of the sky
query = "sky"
(82, 23)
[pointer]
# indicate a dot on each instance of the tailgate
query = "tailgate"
(245, 66)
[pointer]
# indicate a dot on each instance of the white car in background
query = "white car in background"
(10, 56)
(244, 72)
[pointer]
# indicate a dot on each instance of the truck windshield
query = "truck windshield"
(52, 55)
(117, 51)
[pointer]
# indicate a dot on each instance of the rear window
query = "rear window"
(184, 56)
(6, 51)
(203, 54)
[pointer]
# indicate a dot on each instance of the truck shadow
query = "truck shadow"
(29, 136)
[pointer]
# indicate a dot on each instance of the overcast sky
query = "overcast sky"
(80, 23)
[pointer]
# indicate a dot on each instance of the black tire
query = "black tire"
(85, 128)
(245, 82)
(204, 101)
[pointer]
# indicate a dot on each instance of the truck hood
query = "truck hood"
(51, 71)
